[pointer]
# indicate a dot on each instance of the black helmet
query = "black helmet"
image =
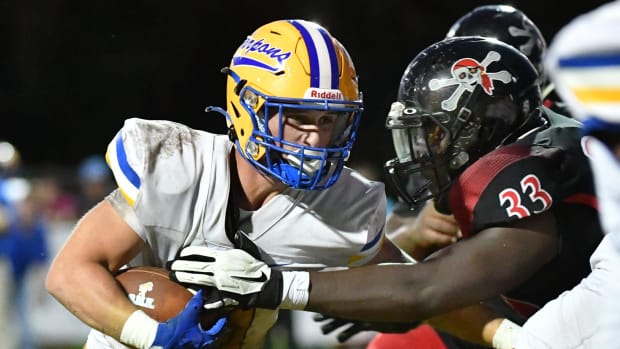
(458, 99)
(507, 24)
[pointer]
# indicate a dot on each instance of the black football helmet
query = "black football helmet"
(507, 24)
(458, 99)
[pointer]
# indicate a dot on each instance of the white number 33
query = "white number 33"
(531, 184)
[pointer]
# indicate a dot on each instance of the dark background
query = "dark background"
(72, 71)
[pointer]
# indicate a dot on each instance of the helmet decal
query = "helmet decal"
(528, 32)
(508, 24)
(322, 55)
(467, 73)
(252, 45)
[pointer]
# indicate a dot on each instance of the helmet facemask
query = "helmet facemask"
(293, 67)
(298, 165)
(431, 149)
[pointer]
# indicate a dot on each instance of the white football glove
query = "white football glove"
(240, 278)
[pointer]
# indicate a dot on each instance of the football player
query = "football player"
(584, 63)
(468, 124)
(278, 180)
(510, 25)
(426, 234)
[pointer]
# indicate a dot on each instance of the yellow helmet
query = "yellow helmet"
(292, 64)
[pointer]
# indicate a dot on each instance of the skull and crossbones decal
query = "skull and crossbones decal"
(468, 73)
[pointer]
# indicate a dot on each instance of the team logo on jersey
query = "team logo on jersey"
(259, 51)
(529, 33)
(467, 73)
(140, 299)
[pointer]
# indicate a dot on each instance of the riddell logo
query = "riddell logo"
(323, 94)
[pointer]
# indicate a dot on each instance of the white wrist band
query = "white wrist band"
(507, 330)
(295, 290)
(139, 330)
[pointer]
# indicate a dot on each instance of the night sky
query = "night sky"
(72, 71)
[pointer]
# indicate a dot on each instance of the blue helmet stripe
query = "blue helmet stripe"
(323, 72)
(333, 61)
(315, 77)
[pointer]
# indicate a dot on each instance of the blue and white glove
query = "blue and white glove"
(242, 280)
(181, 332)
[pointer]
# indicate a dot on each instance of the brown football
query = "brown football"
(152, 291)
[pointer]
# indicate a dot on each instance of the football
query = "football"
(153, 292)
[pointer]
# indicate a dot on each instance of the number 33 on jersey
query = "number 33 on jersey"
(529, 177)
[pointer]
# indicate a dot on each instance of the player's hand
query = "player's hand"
(241, 279)
(422, 234)
(184, 331)
(351, 328)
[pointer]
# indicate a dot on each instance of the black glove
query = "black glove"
(353, 327)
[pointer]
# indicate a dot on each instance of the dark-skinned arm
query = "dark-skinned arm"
(484, 266)
(463, 274)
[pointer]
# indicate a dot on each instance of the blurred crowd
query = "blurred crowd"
(32, 201)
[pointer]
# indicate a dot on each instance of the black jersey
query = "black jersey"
(545, 170)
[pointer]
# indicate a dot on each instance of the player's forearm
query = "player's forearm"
(80, 276)
(374, 293)
(91, 294)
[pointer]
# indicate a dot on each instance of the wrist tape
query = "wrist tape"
(503, 337)
(295, 290)
(139, 330)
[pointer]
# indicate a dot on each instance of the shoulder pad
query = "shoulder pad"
(513, 182)
(137, 146)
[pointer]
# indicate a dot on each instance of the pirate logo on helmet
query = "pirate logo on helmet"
(468, 73)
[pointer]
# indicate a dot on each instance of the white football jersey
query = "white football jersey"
(173, 188)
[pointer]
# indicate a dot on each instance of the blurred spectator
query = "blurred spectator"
(95, 182)
(56, 203)
(23, 245)
(7, 339)
(9, 163)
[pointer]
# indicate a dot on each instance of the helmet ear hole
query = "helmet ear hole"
(237, 115)
(240, 86)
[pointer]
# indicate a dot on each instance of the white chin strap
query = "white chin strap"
(606, 170)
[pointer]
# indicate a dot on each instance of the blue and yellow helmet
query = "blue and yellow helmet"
(292, 64)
